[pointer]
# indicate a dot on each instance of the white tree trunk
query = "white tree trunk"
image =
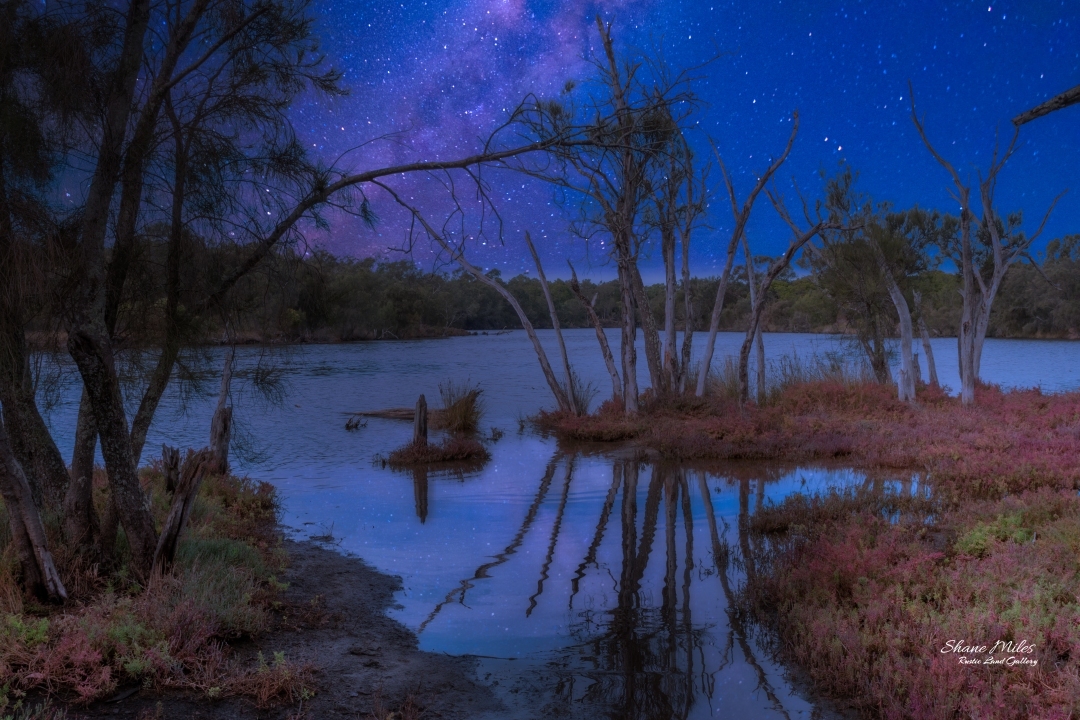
(570, 399)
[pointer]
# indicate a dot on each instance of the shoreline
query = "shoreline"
(332, 617)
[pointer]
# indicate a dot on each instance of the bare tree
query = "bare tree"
(800, 237)
(924, 334)
(456, 252)
(634, 122)
(601, 337)
(1003, 243)
(568, 373)
(741, 216)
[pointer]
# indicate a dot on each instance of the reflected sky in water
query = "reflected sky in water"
(588, 584)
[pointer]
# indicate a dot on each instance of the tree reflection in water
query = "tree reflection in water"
(626, 655)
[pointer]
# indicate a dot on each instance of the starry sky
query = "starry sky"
(441, 75)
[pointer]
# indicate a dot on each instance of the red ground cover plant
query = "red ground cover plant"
(863, 588)
(1008, 442)
(172, 633)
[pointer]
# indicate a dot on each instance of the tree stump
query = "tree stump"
(170, 467)
(195, 467)
(419, 436)
(221, 425)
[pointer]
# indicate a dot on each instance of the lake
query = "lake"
(586, 583)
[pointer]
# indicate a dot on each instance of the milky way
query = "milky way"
(442, 75)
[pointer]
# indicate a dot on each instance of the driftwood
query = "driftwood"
(419, 436)
(435, 417)
(27, 532)
(195, 468)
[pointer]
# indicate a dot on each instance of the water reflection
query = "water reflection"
(644, 565)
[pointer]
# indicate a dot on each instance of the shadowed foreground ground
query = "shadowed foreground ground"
(333, 616)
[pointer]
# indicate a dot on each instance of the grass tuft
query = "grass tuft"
(462, 410)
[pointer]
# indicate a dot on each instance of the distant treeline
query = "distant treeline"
(323, 298)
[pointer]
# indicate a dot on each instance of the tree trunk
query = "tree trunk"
(556, 390)
(688, 314)
(30, 440)
(629, 351)
(928, 351)
(221, 425)
(88, 338)
(777, 267)
(27, 533)
(91, 351)
(906, 382)
(419, 431)
(714, 323)
(81, 524)
(759, 343)
(967, 317)
(195, 468)
(671, 363)
(601, 337)
(649, 331)
(571, 400)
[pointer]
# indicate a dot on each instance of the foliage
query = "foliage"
(171, 632)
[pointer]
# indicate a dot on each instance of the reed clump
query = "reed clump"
(462, 407)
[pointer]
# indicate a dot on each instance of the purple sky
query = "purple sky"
(442, 75)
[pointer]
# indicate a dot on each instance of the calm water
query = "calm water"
(588, 583)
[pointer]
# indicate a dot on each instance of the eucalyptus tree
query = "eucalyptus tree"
(740, 216)
(987, 246)
(634, 117)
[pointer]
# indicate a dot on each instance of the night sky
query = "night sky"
(443, 74)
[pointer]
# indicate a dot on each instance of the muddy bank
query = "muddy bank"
(333, 616)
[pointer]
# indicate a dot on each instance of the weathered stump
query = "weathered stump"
(195, 467)
(170, 467)
(27, 532)
(419, 436)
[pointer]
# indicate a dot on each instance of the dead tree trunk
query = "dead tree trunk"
(671, 363)
(905, 384)
(195, 468)
(774, 270)
(419, 430)
(571, 400)
(688, 312)
(928, 350)
(601, 337)
(629, 350)
(221, 425)
(742, 216)
(27, 533)
(649, 331)
(759, 342)
(170, 468)
(458, 255)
